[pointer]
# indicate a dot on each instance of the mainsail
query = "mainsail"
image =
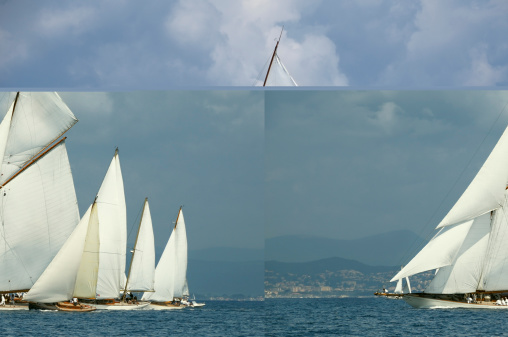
(171, 271)
(142, 268)
(38, 205)
(112, 217)
(470, 252)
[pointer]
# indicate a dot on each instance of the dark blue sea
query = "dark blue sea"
(273, 317)
(377, 317)
(217, 318)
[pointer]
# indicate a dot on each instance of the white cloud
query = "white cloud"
(243, 35)
(481, 72)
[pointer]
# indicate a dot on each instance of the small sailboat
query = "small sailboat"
(398, 292)
(186, 300)
(171, 271)
(142, 267)
(277, 74)
(469, 250)
(39, 206)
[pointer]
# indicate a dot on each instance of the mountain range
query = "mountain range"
(387, 249)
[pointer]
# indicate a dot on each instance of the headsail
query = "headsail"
(142, 269)
(58, 280)
(171, 271)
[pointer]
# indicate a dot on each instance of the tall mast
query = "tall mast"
(273, 56)
(178, 216)
(134, 251)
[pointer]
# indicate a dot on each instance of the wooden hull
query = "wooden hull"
(62, 306)
(164, 306)
(418, 301)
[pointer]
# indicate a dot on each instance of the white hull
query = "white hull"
(13, 307)
(164, 307)
(432, 303)
(121, 306)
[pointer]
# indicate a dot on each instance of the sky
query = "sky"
(170, 83)
(127, 45)
(199, 149)
(346, 164)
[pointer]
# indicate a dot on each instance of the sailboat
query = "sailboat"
(277, 74)
(469, 251)
(171, 271)
(39, 208)
(398, 292)
(142, 267)
(92, 261)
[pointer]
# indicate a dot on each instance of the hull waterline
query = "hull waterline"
(433, 303)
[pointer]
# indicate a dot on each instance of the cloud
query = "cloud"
(64, 21)
(453, 43)
(243, 34)
(481, 72)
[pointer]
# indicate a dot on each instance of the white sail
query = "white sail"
(408, 285)
(495, 273)
(112, 217)
(398, 287)
(171, 271)
(38, 119)
(181, 256)
(38, 212)
(164, 274)
(440, 251)
(463, 275)
(142, 270)
(186, 289)
(87, 275)
(486, 191)
(58, 280)
(4, 133)
(278, 74)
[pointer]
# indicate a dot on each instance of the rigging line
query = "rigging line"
(261, 72)
(408, 251)
(135, 222)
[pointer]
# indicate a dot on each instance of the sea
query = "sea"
(370, 316)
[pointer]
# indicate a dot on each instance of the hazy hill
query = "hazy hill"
(383, 249)
(227, 254)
